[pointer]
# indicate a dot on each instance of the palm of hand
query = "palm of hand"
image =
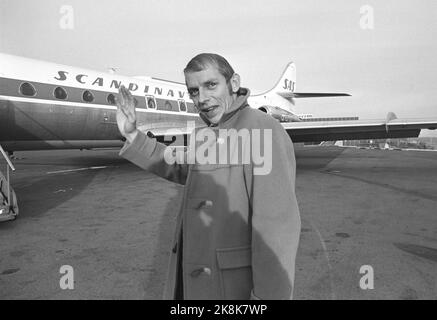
(126, 116)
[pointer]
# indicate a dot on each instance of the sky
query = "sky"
(381, 52)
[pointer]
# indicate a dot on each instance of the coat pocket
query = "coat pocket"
(235, 269)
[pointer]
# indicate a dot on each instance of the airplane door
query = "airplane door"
(107, 125)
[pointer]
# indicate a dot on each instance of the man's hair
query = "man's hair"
(204, 60)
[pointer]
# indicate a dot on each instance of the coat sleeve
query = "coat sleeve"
(148, 154)
(275, 221)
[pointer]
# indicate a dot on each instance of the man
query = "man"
(238, 228)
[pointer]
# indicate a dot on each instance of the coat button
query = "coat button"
(205, 204)
(197, 272)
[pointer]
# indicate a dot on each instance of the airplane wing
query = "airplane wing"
(167, 132)
(290, 96)
(165, 129)
(357, 129)
(319, 94)
(316, 131)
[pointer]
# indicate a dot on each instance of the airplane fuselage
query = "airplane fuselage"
(44, 122)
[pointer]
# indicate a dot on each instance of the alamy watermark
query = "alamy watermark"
(367, 280)
(367, 20)
(66, 22)
(66, 282)
(224, 147)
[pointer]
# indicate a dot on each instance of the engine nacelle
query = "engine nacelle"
(280, 114)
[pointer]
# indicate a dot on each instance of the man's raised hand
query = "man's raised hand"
(126, 116)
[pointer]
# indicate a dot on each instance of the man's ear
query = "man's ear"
(235, 82)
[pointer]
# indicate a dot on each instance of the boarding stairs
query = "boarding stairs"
(8, 199)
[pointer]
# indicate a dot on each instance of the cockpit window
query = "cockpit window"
(27, 89)
(88, 96)
(60, 93)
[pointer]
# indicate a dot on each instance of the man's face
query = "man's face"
(210, 92)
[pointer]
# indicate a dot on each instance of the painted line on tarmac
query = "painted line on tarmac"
(76, 170)
(325, 251)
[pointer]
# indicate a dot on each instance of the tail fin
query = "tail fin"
(286, 87)
(287, 82)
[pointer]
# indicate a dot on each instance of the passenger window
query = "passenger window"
(167, 106)
(150, 102)
(87, 96)
(60, 93)
(182, 105)
(27, 89)
(111, 99)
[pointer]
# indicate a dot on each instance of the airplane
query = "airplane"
(45, 105)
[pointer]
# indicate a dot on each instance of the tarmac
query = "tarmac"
(369, 226)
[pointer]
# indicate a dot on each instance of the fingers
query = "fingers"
(127, 96)
(119, 99)
(120, 105)
(122, 101)
(127, 104)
